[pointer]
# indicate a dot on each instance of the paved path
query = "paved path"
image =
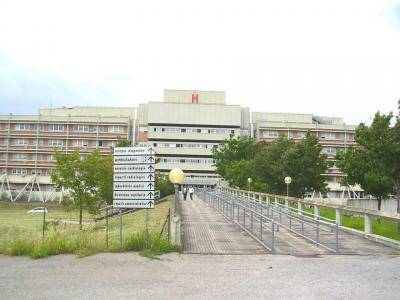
(206, 231)
(191, 276)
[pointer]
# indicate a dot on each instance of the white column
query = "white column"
(338, 216)
(300, 207)
(316, 212)
(367, 224)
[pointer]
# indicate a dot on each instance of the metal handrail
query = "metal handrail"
(228, 210)
(276, 211)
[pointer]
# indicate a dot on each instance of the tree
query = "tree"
(163, 184)
(269, 163)
(303, 161)
(87, 179)
(306, 164)
(124, 143)
(231, 150)
(375, 162)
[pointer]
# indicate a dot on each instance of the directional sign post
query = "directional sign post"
(134, 180)
(134, 177)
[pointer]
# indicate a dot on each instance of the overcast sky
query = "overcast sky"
(334, 58)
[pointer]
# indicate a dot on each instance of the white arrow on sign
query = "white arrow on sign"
(133, 203)
(133, 195)
(134, 177)
(123, 160)
(134, 186)
(134, 151)
(134, 168)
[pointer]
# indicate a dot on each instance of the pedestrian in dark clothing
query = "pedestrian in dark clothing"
(185, 192)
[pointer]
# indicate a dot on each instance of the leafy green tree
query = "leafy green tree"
(163, 184)
(375, 162)
(269, 163)
(87, 179)
(306, 164)
(124, 143)
(231, 150)
(303, 161)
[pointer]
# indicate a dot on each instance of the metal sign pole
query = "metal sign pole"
(147, 228)
(44, 222)
(107, 226)
(120, 228)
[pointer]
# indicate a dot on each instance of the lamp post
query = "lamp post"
(288, 180)
(176, 176)
(249, 181)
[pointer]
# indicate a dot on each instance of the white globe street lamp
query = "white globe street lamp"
(176, 176)
(288, 180)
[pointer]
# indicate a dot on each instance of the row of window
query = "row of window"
(23, 172)
(75, 128)
(186, 145)
(60, 143)
(207, 161)
(193, 130)
(302, 135)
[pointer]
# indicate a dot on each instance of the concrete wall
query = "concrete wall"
(388, 205)
(193, 96)
(194, 114)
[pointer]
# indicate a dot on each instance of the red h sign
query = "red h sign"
(195, 98)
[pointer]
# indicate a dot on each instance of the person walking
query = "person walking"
(191, 192)
(185, 192)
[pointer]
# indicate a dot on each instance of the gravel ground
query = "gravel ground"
(129, 276)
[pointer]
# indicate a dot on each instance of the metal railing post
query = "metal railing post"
(337, 238)
(261, 228)
(244, 217)
(251, 221)
(272, 236)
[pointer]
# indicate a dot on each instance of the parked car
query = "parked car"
(38, 210)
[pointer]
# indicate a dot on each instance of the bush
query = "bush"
(163, 185)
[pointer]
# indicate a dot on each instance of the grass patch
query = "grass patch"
(382, 227)
(24, 238)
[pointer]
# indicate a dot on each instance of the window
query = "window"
(22, 126)
(115, 129)
(20, 156)
(48, 172)
(99, 143)
(81, 128)
(329, 150)
(18, 171)
(328, 136)
(99, 129)
(80, 143)
(35, 142)
(20, 142)
(35, 127)
(56, 127)
(270, 134)
(52, 157)
(301, 135)
(55, 143)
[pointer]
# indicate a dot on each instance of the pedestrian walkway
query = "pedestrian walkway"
(206, 231)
